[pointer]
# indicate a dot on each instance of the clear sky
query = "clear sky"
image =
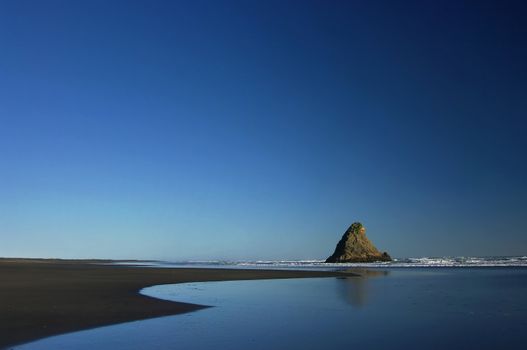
(262, 129)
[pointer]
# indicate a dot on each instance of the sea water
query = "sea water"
(321, 265)
(432, 308)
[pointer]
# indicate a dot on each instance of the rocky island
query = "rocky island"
(355, 247)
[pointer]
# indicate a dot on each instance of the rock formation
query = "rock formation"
(354, 246)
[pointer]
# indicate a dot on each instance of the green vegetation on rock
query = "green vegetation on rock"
(354, 246)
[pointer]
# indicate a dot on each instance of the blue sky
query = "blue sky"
(261, 129)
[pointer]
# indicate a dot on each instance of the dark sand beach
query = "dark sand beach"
(40, 298)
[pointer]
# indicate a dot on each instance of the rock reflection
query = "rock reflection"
(355, 290)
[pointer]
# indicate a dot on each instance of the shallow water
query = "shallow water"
(465, 308)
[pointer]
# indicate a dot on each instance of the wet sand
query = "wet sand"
(40, 298)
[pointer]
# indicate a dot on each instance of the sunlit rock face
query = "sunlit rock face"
(354, 246)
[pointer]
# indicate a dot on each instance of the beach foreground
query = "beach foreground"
(40, 298)
(397, 308)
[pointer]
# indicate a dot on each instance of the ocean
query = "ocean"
(396, 307)
(493, 261)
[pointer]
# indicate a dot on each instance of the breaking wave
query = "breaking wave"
(509, 261)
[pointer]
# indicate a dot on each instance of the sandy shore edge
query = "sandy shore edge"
(44, 297)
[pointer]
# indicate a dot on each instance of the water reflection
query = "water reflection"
(480, 309)
(356, 290)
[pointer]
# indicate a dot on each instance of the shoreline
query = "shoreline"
(47, 297)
